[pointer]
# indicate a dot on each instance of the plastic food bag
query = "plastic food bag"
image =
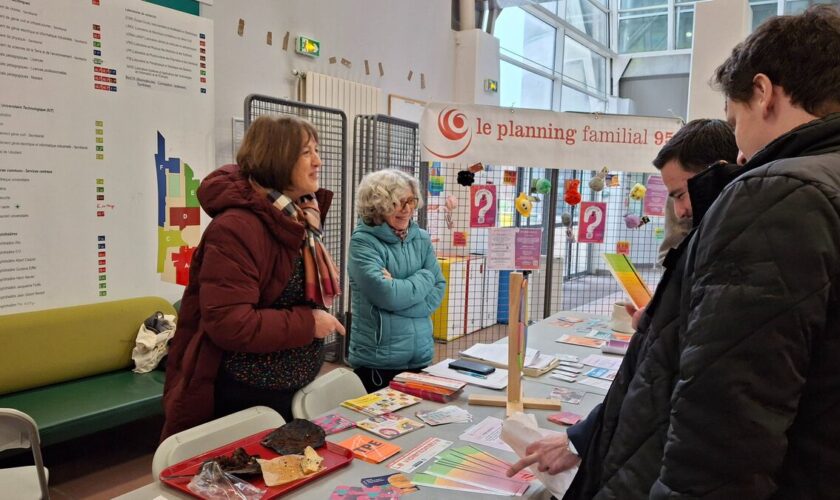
(213, 484)
(152, 342)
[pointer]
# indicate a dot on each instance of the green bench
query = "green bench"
(70, 368)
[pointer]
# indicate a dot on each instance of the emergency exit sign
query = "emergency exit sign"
(308, 46)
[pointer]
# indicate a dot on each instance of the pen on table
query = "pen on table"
(471, 374)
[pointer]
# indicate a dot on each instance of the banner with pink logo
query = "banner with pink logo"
(470, 133)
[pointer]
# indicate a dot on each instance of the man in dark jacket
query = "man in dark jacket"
(756, 393)
(756, 404)
(620, 442)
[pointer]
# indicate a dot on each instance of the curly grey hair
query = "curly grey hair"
(379, 193)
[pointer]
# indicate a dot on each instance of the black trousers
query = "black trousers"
(379, 378)
(232, 396)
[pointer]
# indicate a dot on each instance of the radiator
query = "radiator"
(351, 97)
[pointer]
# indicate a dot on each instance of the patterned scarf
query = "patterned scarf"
(322, 283)
(401, 233)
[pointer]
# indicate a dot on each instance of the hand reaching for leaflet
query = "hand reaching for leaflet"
(552, 455)
(325, 324)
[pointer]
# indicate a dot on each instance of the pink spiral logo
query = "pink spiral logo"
(453, 126)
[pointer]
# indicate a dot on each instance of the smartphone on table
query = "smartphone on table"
(472, 367)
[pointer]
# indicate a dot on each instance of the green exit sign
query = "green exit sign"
(308, 46)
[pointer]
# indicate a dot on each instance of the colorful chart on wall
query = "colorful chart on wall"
(108, 114)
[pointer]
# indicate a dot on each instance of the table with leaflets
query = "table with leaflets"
(541, 336)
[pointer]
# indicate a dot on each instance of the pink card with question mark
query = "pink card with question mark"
(593, 222)
(483, 205)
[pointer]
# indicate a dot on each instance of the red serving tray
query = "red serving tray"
(334, 455)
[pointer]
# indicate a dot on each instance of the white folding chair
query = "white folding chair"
(18, 430)
(326, 392)
(213, 434)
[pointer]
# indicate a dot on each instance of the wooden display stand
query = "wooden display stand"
(518, 320)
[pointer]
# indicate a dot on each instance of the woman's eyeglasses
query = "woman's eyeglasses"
(408, 202)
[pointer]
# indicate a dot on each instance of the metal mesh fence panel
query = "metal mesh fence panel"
(381, 142)
(572, 276)
(331, 125)
(575, 277)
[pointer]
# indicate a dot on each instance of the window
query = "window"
(521, 88)
(642, 25)
(685, 26)
(642, 4)
(557, 8)
(584, 66)
(762, 11)
(539, 60)
(588, 18)
(799, 6)
(575, 100)
(526, 38)
(643, 31)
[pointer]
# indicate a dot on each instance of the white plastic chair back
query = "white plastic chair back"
(213, 434)
(19, 430)
(326, 392)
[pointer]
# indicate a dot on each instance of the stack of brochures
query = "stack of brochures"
(382, 401)
(423, 385)
(535, 363)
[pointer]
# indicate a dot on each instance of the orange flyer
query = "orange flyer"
(370, 449)
(628, 277)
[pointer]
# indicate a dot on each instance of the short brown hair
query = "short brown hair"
(698, 144)
(271, 147)
(799, 53)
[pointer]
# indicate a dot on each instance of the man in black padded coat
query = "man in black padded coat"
(755, 366)
(602, 439)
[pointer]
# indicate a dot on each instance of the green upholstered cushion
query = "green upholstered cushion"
(57, 345)
(80, 407)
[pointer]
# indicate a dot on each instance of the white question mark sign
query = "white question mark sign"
(488, 197)
(592, 212)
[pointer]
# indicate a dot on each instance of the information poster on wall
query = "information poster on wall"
(483, 205)
(593, 222)
(655, 196)
(512, 248)
(106, 128)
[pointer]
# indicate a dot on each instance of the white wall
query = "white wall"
(657, 95)
(476, 59)
(405, 35)
(719, 25)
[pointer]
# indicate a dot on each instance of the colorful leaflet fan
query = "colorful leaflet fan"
(629, 279)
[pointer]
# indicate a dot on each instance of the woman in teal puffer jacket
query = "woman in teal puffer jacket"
(395, 280)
